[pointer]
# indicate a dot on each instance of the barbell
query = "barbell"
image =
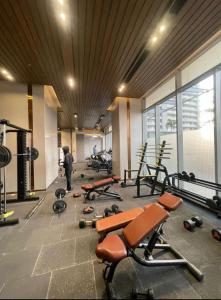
(32, 153)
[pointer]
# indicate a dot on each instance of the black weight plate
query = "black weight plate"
(60, 193)
(59, 206)
(5, 156)
(33, 152)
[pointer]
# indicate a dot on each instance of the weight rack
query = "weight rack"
(22, 158)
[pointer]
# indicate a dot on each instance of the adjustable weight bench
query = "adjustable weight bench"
(112, 250)
(118, 221)
(101, 187)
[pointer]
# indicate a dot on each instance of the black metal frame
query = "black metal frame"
(141, 165)
(190, 196)
(102, 191)
(150, 261)
(21, 163)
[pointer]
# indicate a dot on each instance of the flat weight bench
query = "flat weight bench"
(101, 187)
(112, 250)
(118, 221)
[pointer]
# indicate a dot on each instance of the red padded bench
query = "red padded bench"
(101, 187)
(118, 221)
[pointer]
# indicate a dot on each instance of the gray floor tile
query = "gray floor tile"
(17, 265)
(26, 288)
(43, 236)
(73, 283)
(55, 256)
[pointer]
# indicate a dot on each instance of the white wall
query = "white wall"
(13, 107)
(161, 92)
(205, 62)
(85, 144)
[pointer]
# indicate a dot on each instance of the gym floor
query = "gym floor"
(50, 257)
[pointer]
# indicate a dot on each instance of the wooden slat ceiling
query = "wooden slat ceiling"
(96, 45)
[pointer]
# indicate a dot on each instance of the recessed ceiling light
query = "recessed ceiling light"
(9, 77)
(61, 2)
(154, 39)
(162, 28)
(4, 72)
(75, 115)
(121, 88)
(62, 16)
(71, 82)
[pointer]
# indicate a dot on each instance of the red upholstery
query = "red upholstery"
(103, 182)
(87, 186)
(116, 178)
(169, 202)
(100, 183)
(112, 249)
(118, 221)
(144, 224)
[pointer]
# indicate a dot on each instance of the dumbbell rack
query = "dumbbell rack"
(198, 199)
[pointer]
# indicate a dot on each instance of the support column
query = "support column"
(126, 133)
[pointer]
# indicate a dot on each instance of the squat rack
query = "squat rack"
(23, 154)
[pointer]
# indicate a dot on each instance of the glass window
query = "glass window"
(198, 130)
(168, 133)
(149, 126)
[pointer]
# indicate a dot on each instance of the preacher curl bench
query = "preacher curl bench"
(104, 226)
(112, 250)
(101, 187)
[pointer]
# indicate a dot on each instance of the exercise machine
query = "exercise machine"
(112, 250)
(24, 154)
(5, 159)
(101, 187)
(213, 204)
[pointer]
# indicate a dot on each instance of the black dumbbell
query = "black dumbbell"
(192, 176)
(115, 209)
(84, 222)
(142, 294)
(59, 206)
(185, 176)
(191, 224)
(216, 233)
(107, 212)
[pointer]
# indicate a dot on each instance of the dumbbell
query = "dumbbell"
(84, 222)
(185, 176)
(216, 233)
(142, 294)
(192, 176)
(115, 209)
(107, 212)
(190, 224)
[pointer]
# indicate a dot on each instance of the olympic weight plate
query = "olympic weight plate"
(5, 156)
(59, 206)
(60, 193)
(33, 152)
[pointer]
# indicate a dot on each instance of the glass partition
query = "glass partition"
(168, 133)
